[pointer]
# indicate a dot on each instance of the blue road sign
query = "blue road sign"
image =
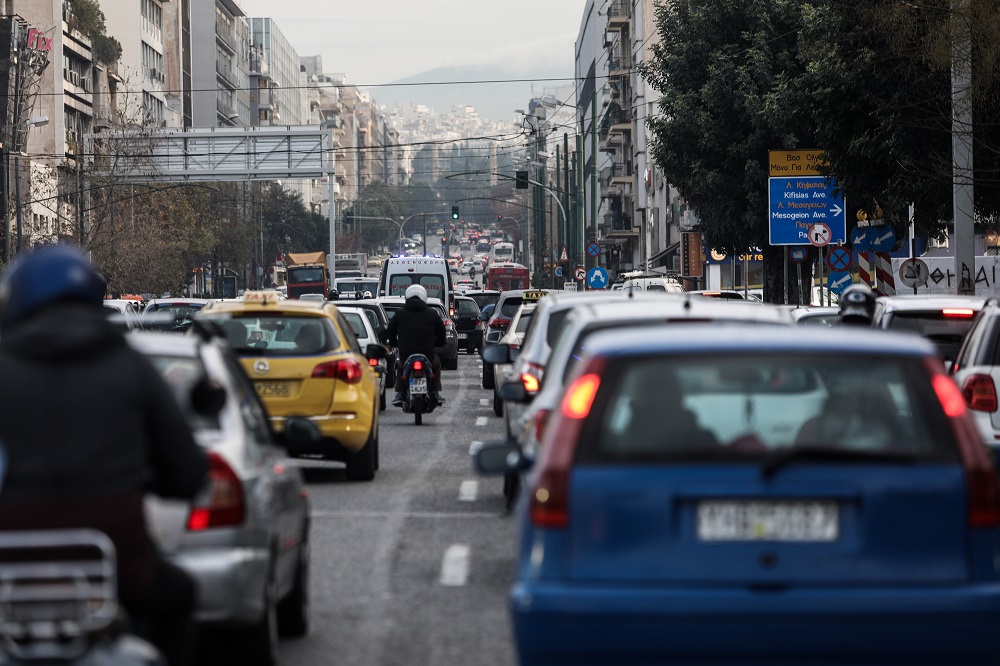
(594, 250)
(839, 281)
(861, 240)
(558, 271)
(798, 202)
(839, 259)
(797, 253)
(597, 278)
(882, 238)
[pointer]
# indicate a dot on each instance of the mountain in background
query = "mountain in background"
(494, 101)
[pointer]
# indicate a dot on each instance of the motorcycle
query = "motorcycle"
(59, 601)
(418, 399)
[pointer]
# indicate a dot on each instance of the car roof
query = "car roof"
(283, 306)
(698, 338)
(166, 343)
(677, 305)
(911, 303)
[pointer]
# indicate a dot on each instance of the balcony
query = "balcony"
(226, 111)
(619, 226)
(226, 73)
(621, 174)
(225, 35)
(103, 115)
(619, 65)
(618, 14)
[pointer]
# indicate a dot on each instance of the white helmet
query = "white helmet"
(418, 291)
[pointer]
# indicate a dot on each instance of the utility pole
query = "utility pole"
(594, 185)
(963, 202)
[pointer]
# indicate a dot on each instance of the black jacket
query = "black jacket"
(416, 329)
(89, 427)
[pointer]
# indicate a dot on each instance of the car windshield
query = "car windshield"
(311, 274)
(278, 335)
(725, 406)
(181, 373)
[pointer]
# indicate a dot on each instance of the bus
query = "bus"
(502, 252)
(506, 275)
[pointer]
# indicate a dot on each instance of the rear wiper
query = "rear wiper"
(782, 457)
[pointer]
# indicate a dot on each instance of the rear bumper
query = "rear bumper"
(230, 582)
(343, 435)
(559, 624)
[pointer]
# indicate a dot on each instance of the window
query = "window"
(434, 284)
(181, 374)
(276, 335)
(356, 324)
(467, 308)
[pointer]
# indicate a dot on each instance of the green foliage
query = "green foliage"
(106, 49)
(90, 18)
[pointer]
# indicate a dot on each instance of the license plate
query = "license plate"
(418, 386)
(273, 389)
(767, 521)
(463, 336)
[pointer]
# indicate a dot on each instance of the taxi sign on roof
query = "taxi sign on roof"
(262, 297)
(533, 295)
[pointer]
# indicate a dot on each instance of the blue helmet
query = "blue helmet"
(51, 273)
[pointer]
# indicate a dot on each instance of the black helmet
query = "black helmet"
(51, 273)
(857, 304)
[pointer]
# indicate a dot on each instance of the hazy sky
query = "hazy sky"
(378, 41)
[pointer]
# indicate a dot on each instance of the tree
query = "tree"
(90, 20)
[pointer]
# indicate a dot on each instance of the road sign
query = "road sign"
(797, 202)
(820, 234)
(692, 254)
(581, 273)
(558, 271)
(914, 273)
(795, 162)
(597, 278)
(839, 259)
(563, 256)
(797, 253)
(839, 281)
(569, 286)
(882, 238)
(594, 250)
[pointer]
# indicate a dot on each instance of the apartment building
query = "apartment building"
(139, 27)
(220, 65)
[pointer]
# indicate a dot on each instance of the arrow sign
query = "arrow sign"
(836, 210)
(860, 239)
(581, 273)
(798, 202)
(820, 234)
(597, 278)
(839, 281)
(882, 238)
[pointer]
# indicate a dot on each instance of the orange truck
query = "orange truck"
(306, 273)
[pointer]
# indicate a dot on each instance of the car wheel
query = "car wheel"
(258, 644)
(451, 363)
(361, 465)
(497, 404)
(381, 401)
(293, 610)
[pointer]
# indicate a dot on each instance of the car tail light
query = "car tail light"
(549, 502)
(373, 362)
(222, 504)
(958, 313)
(530, 382)
(346, 369)
(500, 323)
(448, 322)
(980, 393)
(981, 485)
(418, 366)
(479, 325)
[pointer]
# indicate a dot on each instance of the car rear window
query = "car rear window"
(466, 307)
(524, 321)
(181, 373)
(482, 300)
(509, 306)
(945, 328)
(738, 406)
(432, 282)
(278, 335)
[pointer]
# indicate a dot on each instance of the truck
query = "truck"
(506, 275)
(351, 265)
(306, 273)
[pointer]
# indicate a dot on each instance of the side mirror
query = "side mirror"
(515, 392)
(208, 397)
(300, 432)
(376, 351)
(496, 354)
(497, 458)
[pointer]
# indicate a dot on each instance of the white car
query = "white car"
(361, 325)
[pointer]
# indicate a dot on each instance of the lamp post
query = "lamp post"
(33, 122)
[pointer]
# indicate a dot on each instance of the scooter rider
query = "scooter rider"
(89, 427)
(857, 306)
(416, 329)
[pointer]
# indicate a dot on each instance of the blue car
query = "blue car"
(708, 495)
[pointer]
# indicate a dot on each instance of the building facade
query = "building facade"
(144, 59)
(220, 65)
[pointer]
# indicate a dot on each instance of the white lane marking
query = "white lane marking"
(455, 565)
(484, 402)
(482, 420)
(474, 447)
(468, 490)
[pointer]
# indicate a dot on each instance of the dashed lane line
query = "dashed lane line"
(455, 565)
(468, 491)
(481, 421)
(484, 402)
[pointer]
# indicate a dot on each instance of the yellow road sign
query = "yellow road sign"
(795, 162)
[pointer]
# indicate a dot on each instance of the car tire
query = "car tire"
(451, 363)
(361, 464)
(293, 610)
(257, 645)
(487, 376)
(497, 404)
(381, 401)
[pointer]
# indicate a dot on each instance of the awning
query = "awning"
(660, 258)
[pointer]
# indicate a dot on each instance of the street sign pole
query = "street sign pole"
(820, 279)
(798, 297)
(784, 283)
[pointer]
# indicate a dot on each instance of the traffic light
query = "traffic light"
(454, 212)
(521, 178)
(499, 218)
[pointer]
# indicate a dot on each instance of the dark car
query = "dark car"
(711, 494)
(942, 319)
(499, 322)
(468, 325)
(483, 297)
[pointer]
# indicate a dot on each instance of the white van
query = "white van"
(501, 252)
(432, 273)
(654, 284)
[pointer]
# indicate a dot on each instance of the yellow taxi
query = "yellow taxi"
(304, 360)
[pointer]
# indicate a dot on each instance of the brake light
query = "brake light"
(980, 393)
(530, 382)
(447, 322)
(418, 366)
(982, 487)
(346, 369)
(500, 323)
(958, 313)
(373, 362)
(549, 500)
(222, 503)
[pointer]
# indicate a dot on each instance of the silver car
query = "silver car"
(245, 538)
(364, 331)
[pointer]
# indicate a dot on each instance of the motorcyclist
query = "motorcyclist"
(416, 329)
(857, 306)
(89, 427)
